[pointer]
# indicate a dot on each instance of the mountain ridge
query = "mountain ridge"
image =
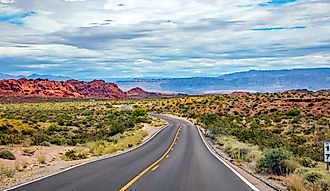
(35, 76)
(58, 89)
(22, 90)
(247, 81)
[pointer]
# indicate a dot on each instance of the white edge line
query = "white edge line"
(224, 162)
(85, 163)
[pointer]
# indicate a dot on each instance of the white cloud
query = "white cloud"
(167, 37)
(7, 1)
(74, 0)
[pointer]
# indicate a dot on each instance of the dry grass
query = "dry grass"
(239, 151)
(7, 170)
(294, 183)
(116, 143)
(157, 122)
(21, 164)
(41, 158)
(28, 152)
(76, 154)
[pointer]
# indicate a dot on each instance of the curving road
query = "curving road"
(165, 163)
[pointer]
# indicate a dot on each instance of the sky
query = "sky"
(161, 38)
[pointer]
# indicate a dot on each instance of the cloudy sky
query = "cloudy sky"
(161, 38)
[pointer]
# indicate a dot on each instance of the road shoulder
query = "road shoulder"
(53, 169)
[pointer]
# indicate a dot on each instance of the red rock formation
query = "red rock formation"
(98, 89)
(137, 92)
(69, 89)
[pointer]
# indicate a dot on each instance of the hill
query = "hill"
(43, 88)
(34, 76)
(34, 90)
(250, 81)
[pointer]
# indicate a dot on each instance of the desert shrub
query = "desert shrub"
(45, 144)
(324, 185)
(7, 154)
(96, 148)
(28, 152)
(41, 158)
(7, 171)
(21, 164)
(108, 105)
(27, 132)
(58, 140)
(272, 161)
(289, 166)
(292, 113)
(116, 143)
(52, 129)
(312, 177)
(294, 183)
(39, 137)
(74, 155)
(60, 122)
(120, 125)
(239, 150)
(307, 162)
(273, 109)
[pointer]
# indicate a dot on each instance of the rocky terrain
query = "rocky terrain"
(42, 89)
(68, 89)
(139, 93)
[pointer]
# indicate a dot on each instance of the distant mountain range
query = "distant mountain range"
(250, 81)
(35, 76)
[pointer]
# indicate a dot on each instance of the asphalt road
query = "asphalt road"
(188, 167)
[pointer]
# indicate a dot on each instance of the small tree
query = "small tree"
(292, 113)
(272, 161)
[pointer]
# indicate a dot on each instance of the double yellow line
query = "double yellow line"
(153, 164)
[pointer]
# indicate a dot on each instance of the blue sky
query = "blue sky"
(161, 38)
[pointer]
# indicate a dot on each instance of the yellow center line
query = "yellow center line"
(152, 165)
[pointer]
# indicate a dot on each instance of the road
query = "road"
(165, 163)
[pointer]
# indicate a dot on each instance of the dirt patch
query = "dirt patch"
(149, 129)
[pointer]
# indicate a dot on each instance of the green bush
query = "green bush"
(139, 112)
(292, 113)
(52, 128)
(74, 155)
(39, 138)
(307, 162)
(58, 140)
(6, 154)
(272, 161)
(7, 171)
(312, 177)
